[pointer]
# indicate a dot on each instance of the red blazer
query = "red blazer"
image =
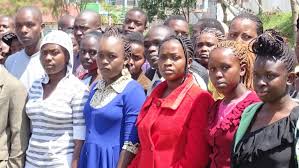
(220, 135)
(172, 130)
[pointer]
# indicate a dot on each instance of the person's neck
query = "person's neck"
(31, 50)
(280, 105)
(136, 75)
(55, 78)
(171, 85)
(239, 91)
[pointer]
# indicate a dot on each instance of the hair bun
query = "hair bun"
(270, 43)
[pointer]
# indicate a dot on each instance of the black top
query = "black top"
(272, 146)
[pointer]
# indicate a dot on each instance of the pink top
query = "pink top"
(225, 109)
(221, 131)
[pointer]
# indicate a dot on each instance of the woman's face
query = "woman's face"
(172, 61)
(137, 59)
(89, 49)
(204, 45)
(270, 79)
(53, 58)
(225, 70)
(111, 59)
(242, 30)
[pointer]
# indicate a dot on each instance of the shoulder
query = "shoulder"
(132, 86)
(76, 83)
(14, 57)
(144, 81)
(134, 91)
(197, 93)
(250, 99)
(73, 87)
(10, 80)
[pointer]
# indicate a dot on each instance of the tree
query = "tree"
(294, 8)
(162, 8)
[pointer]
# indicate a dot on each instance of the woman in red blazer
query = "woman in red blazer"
(173, 120)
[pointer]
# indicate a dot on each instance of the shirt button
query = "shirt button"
(152, 148)
(158, 103)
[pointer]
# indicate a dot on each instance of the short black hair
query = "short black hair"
(135, 37)
(209, 23)
(254, 18)
(174, 17)
(141, 11)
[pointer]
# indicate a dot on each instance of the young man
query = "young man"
(25, 65)
(152, 42)
(66, 22)
(178, 24)
(135, 21)
(14, 124)
(85, 22)
(6, 25)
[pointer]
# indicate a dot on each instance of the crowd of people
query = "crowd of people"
(143, 95)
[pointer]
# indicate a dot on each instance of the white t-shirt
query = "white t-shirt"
(25, 68)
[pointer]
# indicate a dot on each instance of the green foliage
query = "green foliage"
(9, 7)
(162, 8)
(281, 22)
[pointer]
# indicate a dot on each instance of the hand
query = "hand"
(74, 163)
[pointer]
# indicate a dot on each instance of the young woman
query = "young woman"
(137, 59)
(172, 122)
(88, 52)
(112, 108)
(265, 137)
(244, 28)
(205, 41)
(230, 70)
(55, 107)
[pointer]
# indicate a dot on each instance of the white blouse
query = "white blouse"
(56, 122)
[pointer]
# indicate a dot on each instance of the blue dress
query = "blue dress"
(107, 128)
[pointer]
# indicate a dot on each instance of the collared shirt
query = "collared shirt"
(56, 122)
(157, 79)
(105, 94)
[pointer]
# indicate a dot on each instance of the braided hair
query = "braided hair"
(217, 33)
(115, 32)
(254, 18)
(271, 45)
(208, 23)
(245, 56)
(187, 46)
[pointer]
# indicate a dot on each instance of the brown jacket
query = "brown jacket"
(14, 124)
(144, 81)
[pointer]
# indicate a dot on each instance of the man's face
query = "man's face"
(134, 22)
(6, 25)
(28, 28)
(152, 43)
(181, 27)
(83, 25)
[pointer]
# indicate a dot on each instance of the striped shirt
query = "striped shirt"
(56, 122)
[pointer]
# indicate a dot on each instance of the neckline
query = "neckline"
(270, 125)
